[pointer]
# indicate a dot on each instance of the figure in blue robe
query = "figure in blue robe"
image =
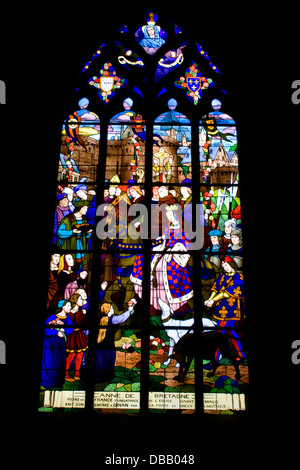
(152, 40)
(54, 352)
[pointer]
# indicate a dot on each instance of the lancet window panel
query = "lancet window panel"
(172, 146)
(126, 137)
(80, 138)
(218, 153)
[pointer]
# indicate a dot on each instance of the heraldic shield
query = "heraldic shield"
(106, 83)
(193, 83)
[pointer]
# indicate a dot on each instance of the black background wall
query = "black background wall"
(42, 50)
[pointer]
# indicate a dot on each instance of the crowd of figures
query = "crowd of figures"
(172, 272)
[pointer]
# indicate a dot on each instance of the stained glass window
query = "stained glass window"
(146, 305)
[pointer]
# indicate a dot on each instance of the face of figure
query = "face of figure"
(67, 307)
(64, 202)
(227, 267)
(55, 258)
(82, 293)
(83, 210)
(163, 192)
(151, 31)
(112, 190)
(228, 228)
(80, 301)
(235, 239)
(155, 191)
(214, 240)
(171, 216)
(69, 260)
(185, 192)
(106, 192)
(133, 193)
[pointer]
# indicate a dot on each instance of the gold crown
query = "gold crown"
(172, 207)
